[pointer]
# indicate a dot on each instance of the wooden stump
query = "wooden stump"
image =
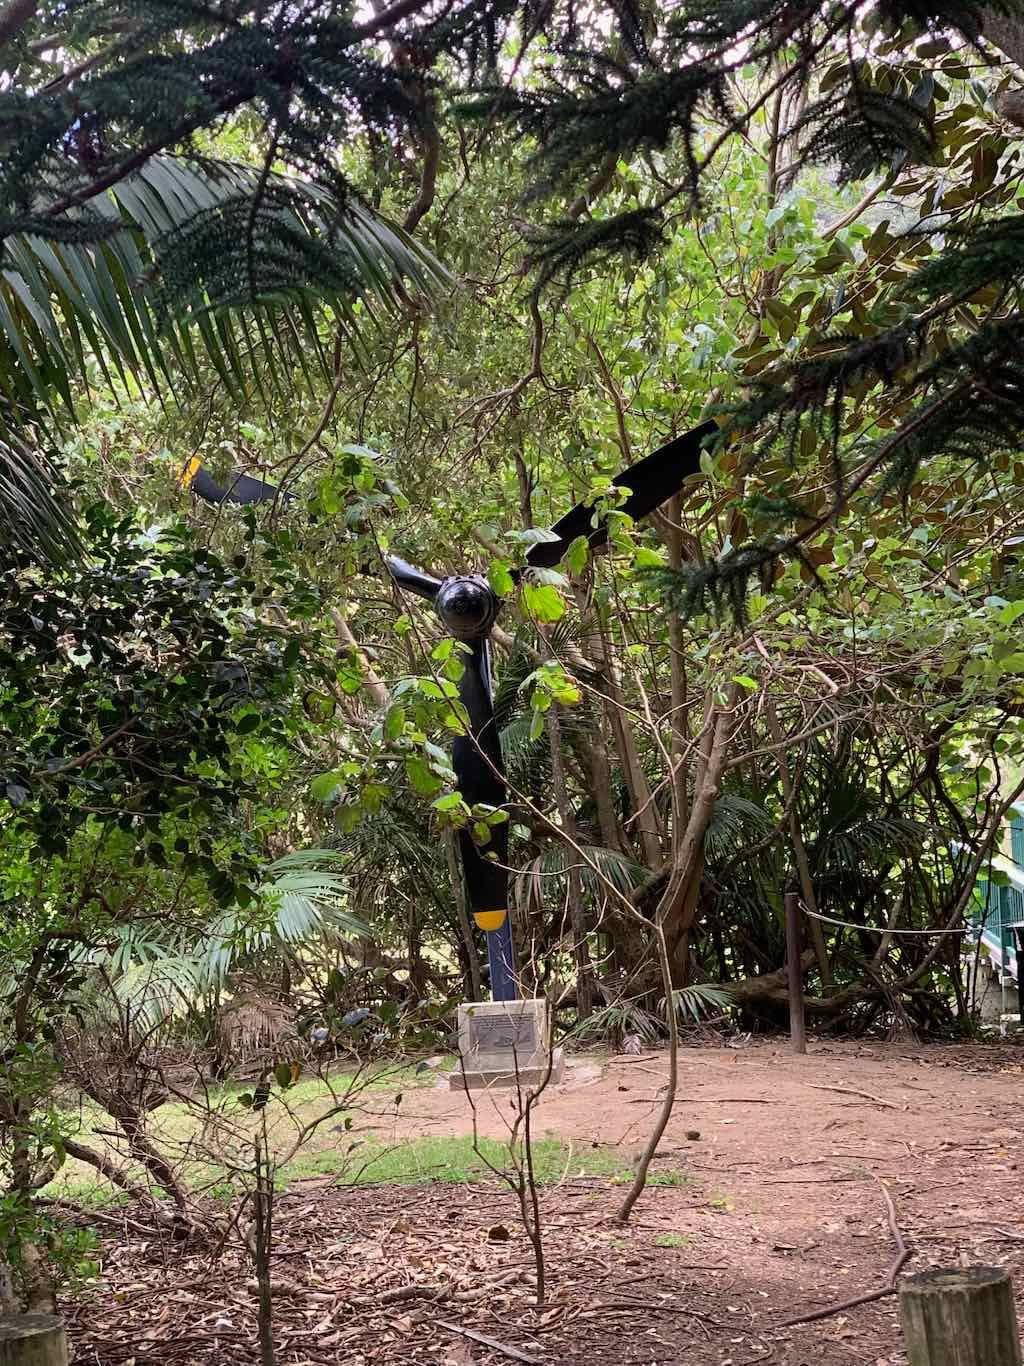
(32, 1340)
(961, 1317)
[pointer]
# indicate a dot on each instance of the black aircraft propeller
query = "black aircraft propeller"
(468, 607)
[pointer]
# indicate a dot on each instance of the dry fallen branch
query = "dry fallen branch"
(903, 1254)
(505, 1348)
(851, 1091)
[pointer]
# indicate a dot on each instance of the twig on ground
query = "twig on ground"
(737, 1100)
(903, 1255)
(818, 1180)
(649, 1306)
(850, 1091)
(120, 1221)
(754, 1361)
(505, 1348)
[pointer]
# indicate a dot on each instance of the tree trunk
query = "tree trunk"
(678, 906)
(581, 948)
(417, 967)
(371, 682)
(10, 1301)
(263, 1211)
(133, 1125)
(37, 1289)
(1004, 32)
(14, 17)
(598, 760)
(645, 815)
(672, 534)
(476, 990)
(800, 858)
(1007, 34)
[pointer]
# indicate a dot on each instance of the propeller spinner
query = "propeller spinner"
(469, 608)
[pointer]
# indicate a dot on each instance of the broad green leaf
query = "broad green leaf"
(500, 579)
(394, 723)
(544, 602)
(324, 786)
(576, 556)
(532, 536)
(422, 777)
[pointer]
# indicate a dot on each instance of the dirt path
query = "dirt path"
(775, 1210)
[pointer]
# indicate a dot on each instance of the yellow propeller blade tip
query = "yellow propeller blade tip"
(490, 920)
(190, 471)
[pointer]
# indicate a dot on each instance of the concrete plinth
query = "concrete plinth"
(479, 1079)
(505, 1042)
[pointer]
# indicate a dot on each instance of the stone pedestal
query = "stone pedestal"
(505, 1042)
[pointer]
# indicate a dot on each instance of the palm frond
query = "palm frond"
(527, 761)
(735, 823)
(697, 1000)
(149, 980)
(33, 519)
(130, 299)
(509, 696)
(156, 978)
(598, 867)
(300, 897)
(612, 1023)
(869, 842)
(131, 302)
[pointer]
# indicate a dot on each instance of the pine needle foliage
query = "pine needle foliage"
(860, 129)
(561, 250)
(595, 107)
(588, 86)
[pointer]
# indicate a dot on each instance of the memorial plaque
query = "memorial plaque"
(503, 1034)
(505, 1043)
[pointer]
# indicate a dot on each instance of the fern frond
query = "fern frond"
(692, 1002)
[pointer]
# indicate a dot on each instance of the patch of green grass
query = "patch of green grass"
(178, 1128)
(445, 1159)
(665, 1178)
(671, 1240)
(193, 1139)
(668, 1178)
(375, 1077)
(94, 1194)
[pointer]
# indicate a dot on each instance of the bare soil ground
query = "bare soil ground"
(776, 1210)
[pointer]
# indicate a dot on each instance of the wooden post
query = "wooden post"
(961, 1317)
(797, 1027)
(32, 1340)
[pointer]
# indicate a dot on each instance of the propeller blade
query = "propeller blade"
(651, 482)
(240, 488)
(408, 576)
(486, 880)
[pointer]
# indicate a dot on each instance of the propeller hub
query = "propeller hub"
(467, 605)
